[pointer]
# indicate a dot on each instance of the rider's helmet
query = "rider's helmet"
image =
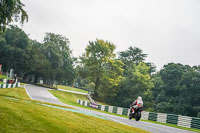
(139, 98)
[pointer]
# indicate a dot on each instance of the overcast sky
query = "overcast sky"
(166, 30)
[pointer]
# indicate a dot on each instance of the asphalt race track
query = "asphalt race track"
(42, 94)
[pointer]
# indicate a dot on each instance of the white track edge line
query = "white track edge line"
(27, 91)
(119, 122)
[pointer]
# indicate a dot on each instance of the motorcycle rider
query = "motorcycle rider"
(137, 103)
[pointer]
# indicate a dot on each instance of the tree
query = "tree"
(179, 85)
(138, 83)
(189, 93)
(132, 56)
(137, 78)
(102, 67)
(31, 60)
(57, 51)
(39, 66)
(170, 75)
(13, 51)
(11, 10)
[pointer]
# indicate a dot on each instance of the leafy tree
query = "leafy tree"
(137, 78)
(189, 93)
(11, 10)
(102, 67)
(138, 83)
(132, 56)
(2, 47)
(171, 75)
(177, 84)
(39, 66)
(57, 51)
(50, 61)
(13, 51)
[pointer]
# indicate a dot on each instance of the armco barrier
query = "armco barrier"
(152, 116)
(183, 121)
(172, 119)
(110, 109)
(114, 110)
(102, 107)
(161, 117)
(125, 111)
(119, 110)
(10, 85)
(106, 108)
(145, 115)
(195, 123)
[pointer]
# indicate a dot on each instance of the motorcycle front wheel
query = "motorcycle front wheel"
(138, 116)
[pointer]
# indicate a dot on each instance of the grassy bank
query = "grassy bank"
(14, 92)
(3, 76)
(68, 98)
(18, 116)
(71, 99)
(71, 88)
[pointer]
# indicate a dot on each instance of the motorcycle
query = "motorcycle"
(136, 114)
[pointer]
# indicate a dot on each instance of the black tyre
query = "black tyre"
(130, 116)
(137, 118)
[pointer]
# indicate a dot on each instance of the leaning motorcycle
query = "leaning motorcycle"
(137, 113)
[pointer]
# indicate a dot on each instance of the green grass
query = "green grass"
(21, 115)
(71, 88)
(14, 92)
(68, 98)
(3, 77)
(22, 83)
(173, 125)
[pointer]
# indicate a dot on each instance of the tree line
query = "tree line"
(50, 60)
(116, 79)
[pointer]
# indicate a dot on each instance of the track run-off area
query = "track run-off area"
(42, 94)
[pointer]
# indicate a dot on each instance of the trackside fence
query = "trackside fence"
(183, 121)
(10, 85)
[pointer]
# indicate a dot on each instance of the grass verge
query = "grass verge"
(68, 98)
(71, 88)
(3, 76)
(14, 92)
(22, 83)
(22, 116)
